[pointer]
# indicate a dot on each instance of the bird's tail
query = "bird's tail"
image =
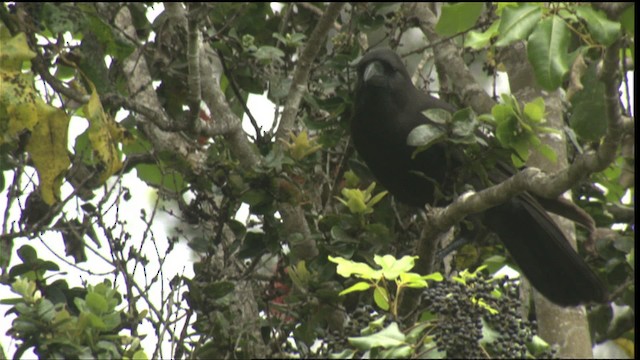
(544, 253)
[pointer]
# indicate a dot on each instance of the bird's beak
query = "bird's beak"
(375, 68)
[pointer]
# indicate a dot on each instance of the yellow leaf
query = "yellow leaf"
(301, 147)
(14, 51)
(18, 101)
(48, 149)
(101, 134)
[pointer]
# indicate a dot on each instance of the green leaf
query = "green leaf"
(548, 152)
(340, 235)
(391, 268)
(537, 345)
(436, 276)
(346, 268)
(404, 351)
(359, 286)
(464, 123)
(458, 18)
(535, 110)
(438, 116)
(109, 347)
(517, 23)
(376, 199)
(140, 355)
(60, 18)
(27, 254)
(425, 135)
(381, 297)
(46, 310)
(601, 28)
(488, 334)
(412, 280)
(416, 332)
(156, 175)
(627, 19)
(388, 337)
(111, 321)
(589, 116)
(547, 52)
(268, 54)
(48, 266)
(95, 321)
(478, 40)
(96, 303)
(115, 45)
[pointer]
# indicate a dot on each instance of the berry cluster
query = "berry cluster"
(464, 310)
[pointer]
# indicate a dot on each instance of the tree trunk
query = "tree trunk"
(568, 327)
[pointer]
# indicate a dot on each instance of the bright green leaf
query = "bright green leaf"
(140, 355)
(412, 280)
(478, 40)
(391, 268)
(359, 286)
(96, 303)
(458, 17)
(534, 110)
(517, 23)
(347, 267)
(547, 50)
(381, 298)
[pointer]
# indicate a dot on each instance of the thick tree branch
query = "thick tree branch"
(158, 118)
(194, 44)
(448, 55)
(295, 224)
(138, 75)
(303, 67)
(221, 114)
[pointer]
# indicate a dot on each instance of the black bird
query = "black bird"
(387, 108)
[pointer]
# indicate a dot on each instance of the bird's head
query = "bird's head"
(382, 68)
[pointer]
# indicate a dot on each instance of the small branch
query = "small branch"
(194, 41)
(158, 118)
(57, 85)
(301, 75)
(314, 9)
(236, 92)
(223, 118)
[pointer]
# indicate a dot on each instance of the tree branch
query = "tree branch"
(448, 55)
(138, 74)
(301, 75)
(194, 44)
